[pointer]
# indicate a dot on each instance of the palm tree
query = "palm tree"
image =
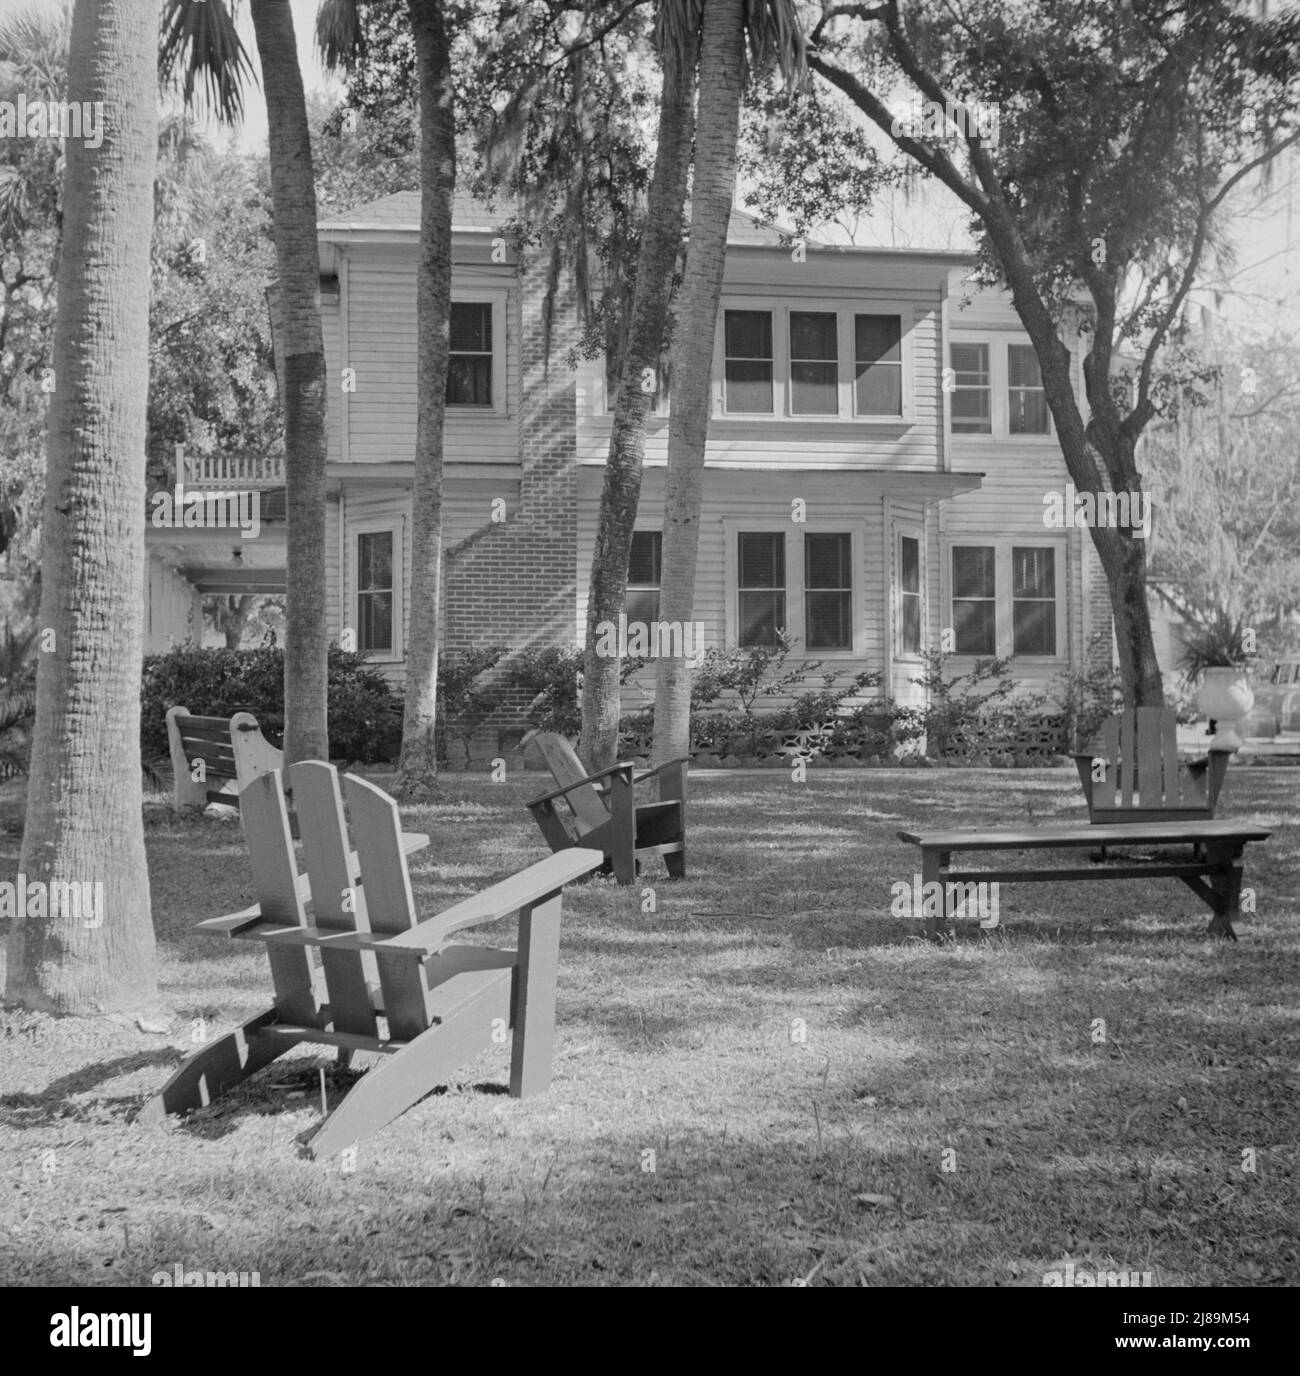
(341, 39)
(677, 38)
(770, 27)
(83, 822)
(199, 39)
(418, 762)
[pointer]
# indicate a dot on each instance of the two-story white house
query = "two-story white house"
(878, 460)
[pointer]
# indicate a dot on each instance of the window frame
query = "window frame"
(395, 526)
(795, 590)
(1003, 595)
(905, 531)
(495, 298)
(844, 309)
(658, 587)
(998, 343)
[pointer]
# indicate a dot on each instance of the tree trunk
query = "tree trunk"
(717, 129)
(293, 206)
(660, 244)
(234, 618)
(418, 764)
(83, 824)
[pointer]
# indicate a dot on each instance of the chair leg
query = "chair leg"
(403, 1079)
(676, 863)
(215, 1069)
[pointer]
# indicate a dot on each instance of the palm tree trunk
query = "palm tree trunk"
(418, 763)
(83, 823)
(660, 245)
(717, 129)
(293, 205)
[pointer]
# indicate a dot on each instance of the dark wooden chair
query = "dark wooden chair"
(1133, 773)
(226, 753)
(600, 810)
(363, 974)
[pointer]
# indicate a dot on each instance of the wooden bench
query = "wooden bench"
(1223, 845)
(602, 812)
(363, 974)
(226, 754)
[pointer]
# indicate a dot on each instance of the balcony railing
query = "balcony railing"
(234, 470)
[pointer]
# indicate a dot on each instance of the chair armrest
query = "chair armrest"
(659, 768)
(521, 890)
(590, 779)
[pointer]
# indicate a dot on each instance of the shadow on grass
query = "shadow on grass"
(55, 1103)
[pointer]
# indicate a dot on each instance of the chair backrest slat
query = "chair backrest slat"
(566, 768)
(390, 904)
(1150, 759)
(336, 902)
(1140, 747)
(265, 819)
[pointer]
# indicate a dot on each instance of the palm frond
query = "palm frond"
(340, 37)
(773, 32)
(16, 710)
(200, 44)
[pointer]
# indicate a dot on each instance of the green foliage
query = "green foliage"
(1091, 694)
(365, 715)
(464, 703)
(1218, 643)
(17, 699)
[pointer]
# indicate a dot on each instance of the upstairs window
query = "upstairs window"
(644, 575)
(748, 361)
(878, 365)
(971, 394)
(814, 364)
(469, 366)
(1026, 401)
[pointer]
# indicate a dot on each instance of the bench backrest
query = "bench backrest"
(232, 751)
(1140, 748)
(589, 808)
(381, 900)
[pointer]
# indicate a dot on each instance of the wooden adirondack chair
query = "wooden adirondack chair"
(602, 812)
(1142, 779)
(436, 1005)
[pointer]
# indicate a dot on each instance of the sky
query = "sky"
(1265, 228)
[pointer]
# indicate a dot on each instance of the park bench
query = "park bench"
(1133, 773)
(600, 810)
(1219, 860)
(363, 974)
(227, 755)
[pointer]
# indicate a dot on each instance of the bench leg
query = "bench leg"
(933, 864)
(216, 1068)
(1226, 882)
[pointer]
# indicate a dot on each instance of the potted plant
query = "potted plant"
(1216, 655)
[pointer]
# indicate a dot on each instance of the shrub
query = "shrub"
(365, 715)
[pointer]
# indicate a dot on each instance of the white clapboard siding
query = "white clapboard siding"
(789, 443)
(381, 346)
(736, 498)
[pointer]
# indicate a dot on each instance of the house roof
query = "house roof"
(401, 211)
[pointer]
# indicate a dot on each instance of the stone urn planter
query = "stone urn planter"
(1225, 696)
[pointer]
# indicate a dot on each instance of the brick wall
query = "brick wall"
(514, 585)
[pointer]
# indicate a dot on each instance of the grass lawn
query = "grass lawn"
(949, 1118)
